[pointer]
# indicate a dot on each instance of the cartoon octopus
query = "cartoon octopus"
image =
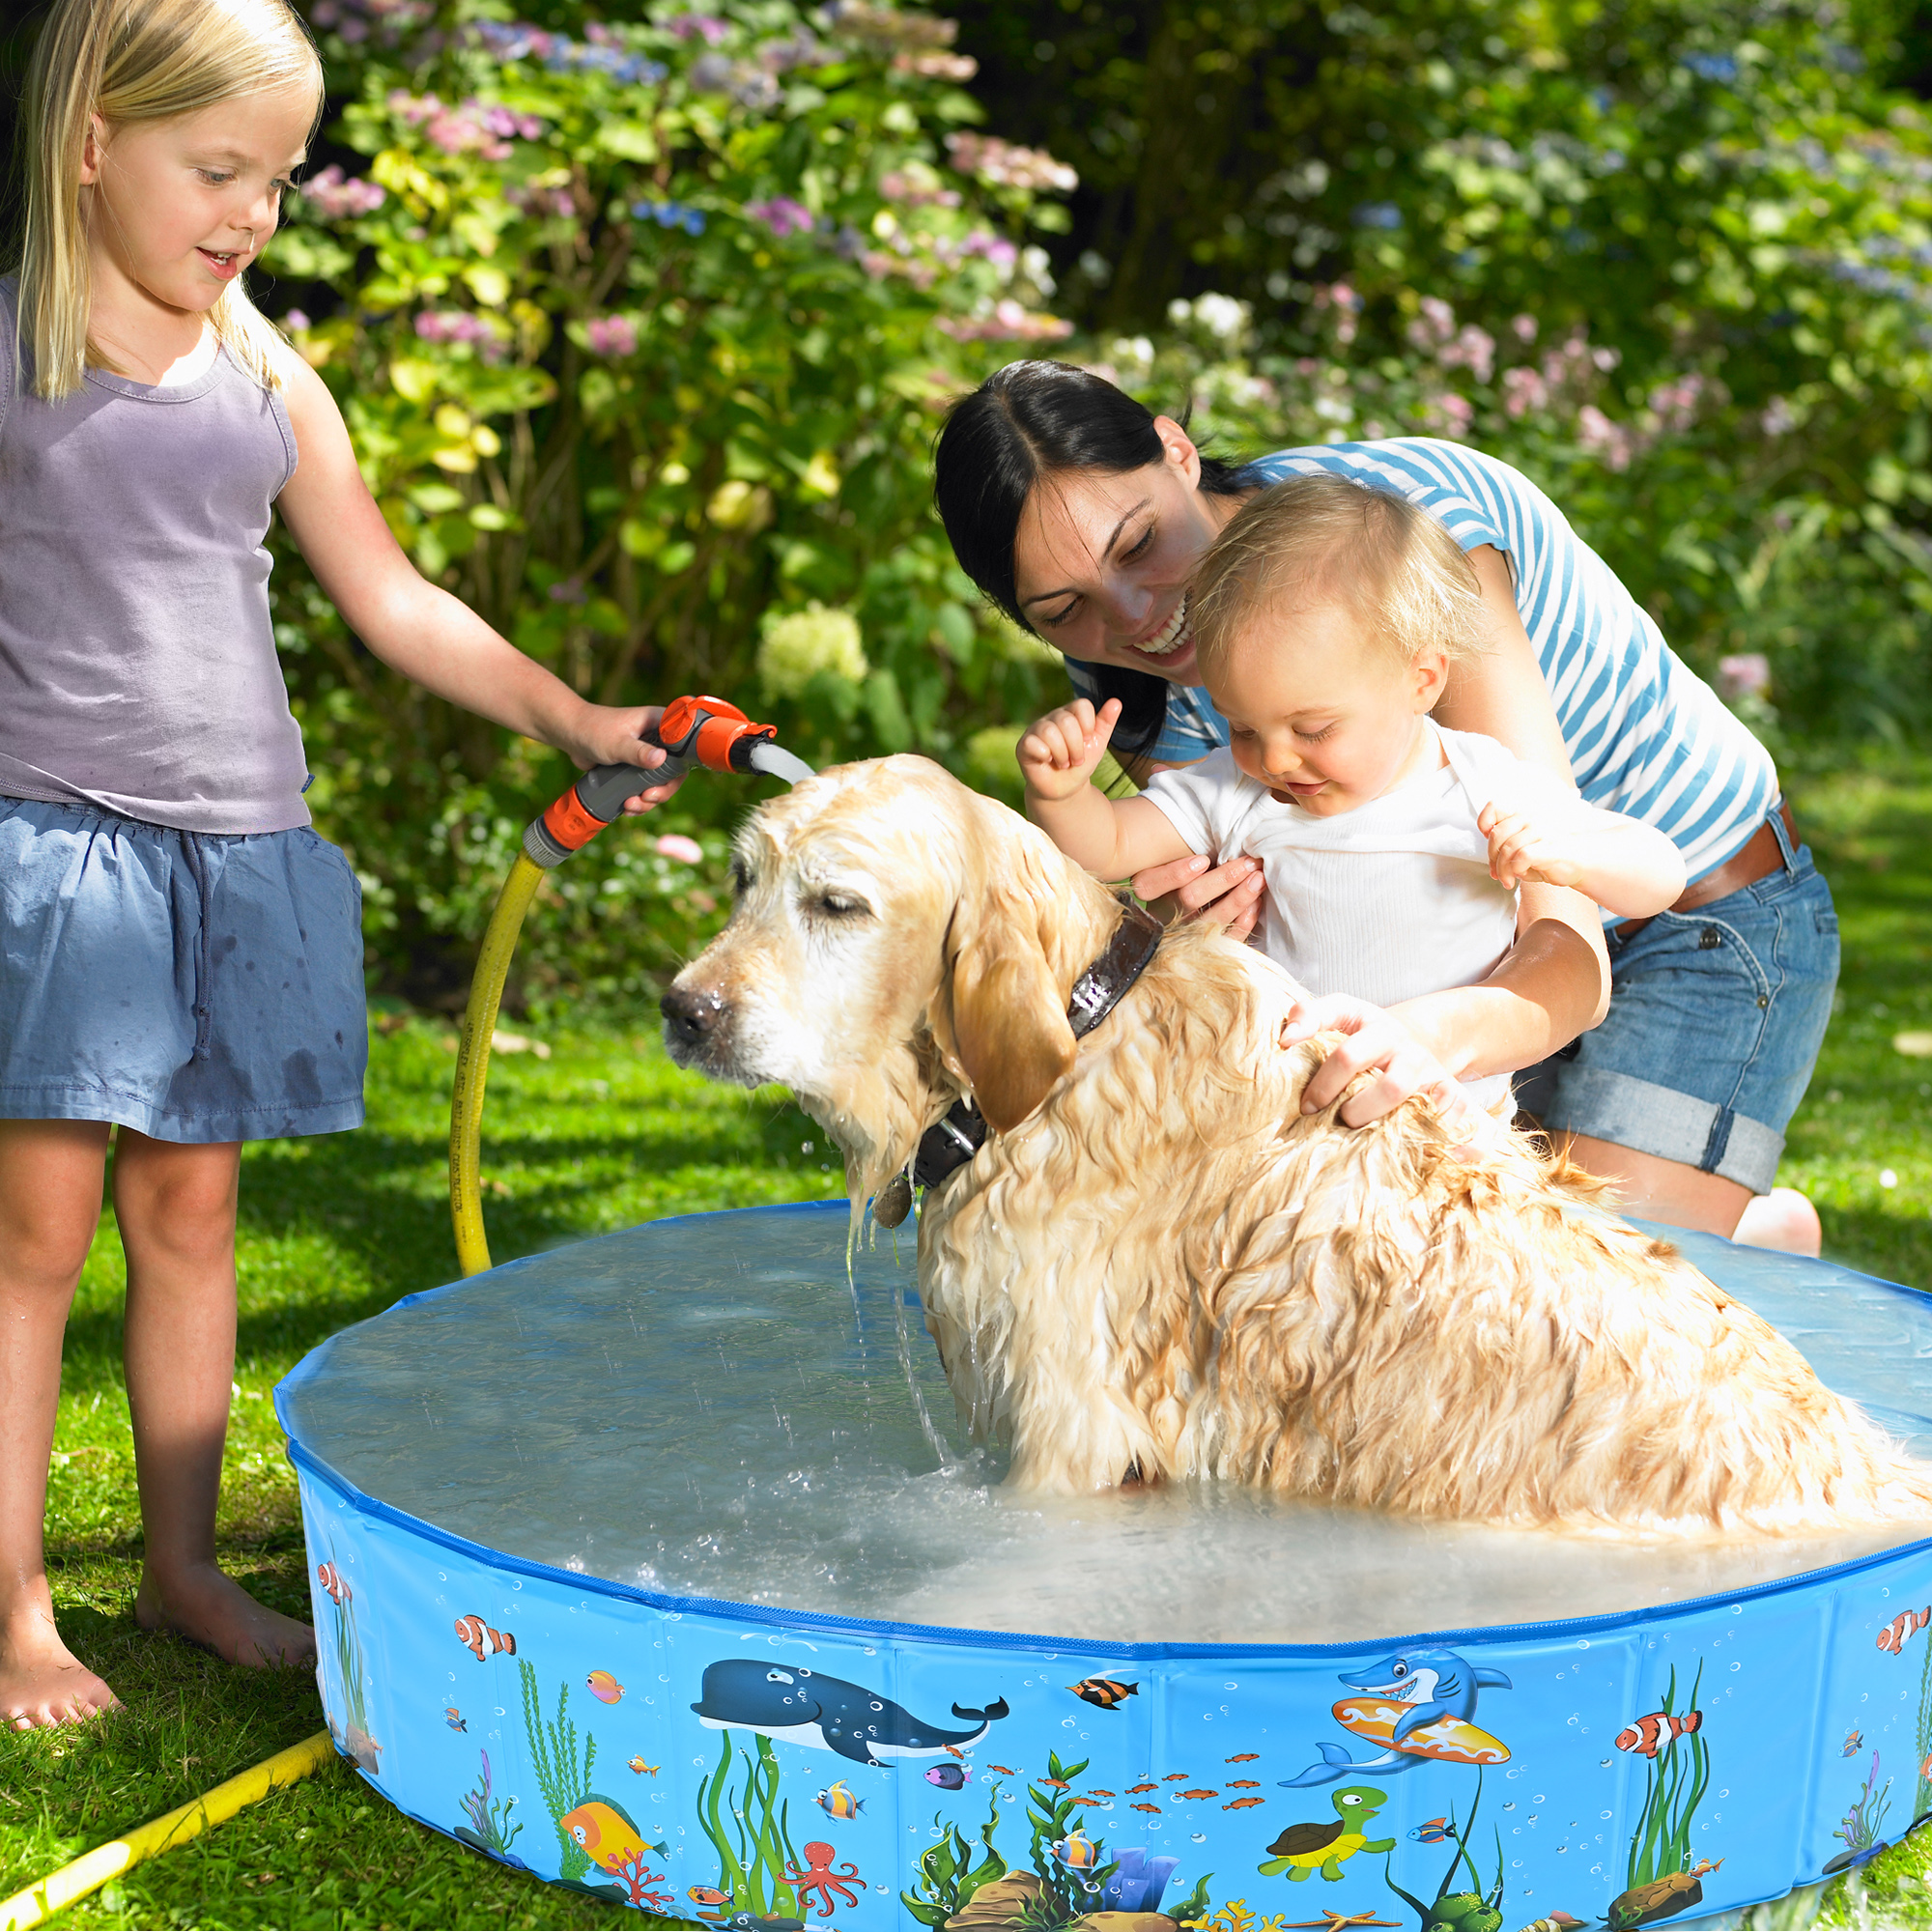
(819, 1877)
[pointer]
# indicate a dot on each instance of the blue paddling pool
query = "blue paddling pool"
(656, 1566)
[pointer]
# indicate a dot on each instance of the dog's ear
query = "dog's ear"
(1009, 1014)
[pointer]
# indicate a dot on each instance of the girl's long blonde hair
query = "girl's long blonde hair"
(131, 61)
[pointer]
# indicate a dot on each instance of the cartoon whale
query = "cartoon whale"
(744, 1693)
(1432, 1684)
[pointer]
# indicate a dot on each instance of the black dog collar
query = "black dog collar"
(951, 1142)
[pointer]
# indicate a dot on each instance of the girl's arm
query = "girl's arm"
(432, 638)
(1627, 867)
(1111, 837)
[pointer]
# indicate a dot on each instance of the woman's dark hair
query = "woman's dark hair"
(1034, 419)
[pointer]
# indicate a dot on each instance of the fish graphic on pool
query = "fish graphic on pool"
(746, 1694)
(1419, 1704)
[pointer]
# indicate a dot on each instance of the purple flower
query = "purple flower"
(458, 326)
(705, 26)
(782, 214)
(1747, 674)
(296, 320)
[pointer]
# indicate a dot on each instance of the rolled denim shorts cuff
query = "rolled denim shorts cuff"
(1649, 1118)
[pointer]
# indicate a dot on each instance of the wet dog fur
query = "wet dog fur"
(1157, 1267)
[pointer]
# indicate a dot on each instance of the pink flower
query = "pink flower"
(1523, 390)
(1003, 164)
(1436, 324)
(1747, 674)
(700, 26)
(1600, 437)
(1453, 412)
(782, 214)
(675, 846)
(1778, 419)
(612, 335)
(1524, 329)
(1007, 323)
(456, 325)
(336, 198)
(1474, 350)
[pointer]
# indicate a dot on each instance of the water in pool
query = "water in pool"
(674, 1410)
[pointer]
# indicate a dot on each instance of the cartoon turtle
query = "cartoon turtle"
(1660, 1898)
(1303, 1848)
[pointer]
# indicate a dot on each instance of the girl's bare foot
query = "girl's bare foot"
(202, 1605)
(42, 1681)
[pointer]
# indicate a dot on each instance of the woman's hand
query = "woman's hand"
(1196, 888)
(1376, 1042)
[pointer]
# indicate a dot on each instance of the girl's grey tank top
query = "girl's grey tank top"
(137, 661)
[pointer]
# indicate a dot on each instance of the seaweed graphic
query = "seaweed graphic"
(1923, 1799)
(755, 1849)
(949, 1875)
(1476, 1909)
(553, 1755)
(1675, 1780)
(486, 1829)
(356, 1738)
(1862, 1821)
(1066, 1894)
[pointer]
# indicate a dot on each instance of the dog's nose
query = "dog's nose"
(691, 1012)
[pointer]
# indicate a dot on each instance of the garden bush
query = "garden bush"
(641, 331)
(644, 328)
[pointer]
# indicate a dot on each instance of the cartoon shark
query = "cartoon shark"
(744, 1693)
(1434, 1683)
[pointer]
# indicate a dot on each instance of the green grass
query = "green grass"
(601, 1136)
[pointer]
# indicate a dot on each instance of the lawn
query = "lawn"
(602, 1134)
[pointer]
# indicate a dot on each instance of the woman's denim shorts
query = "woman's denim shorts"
(1716, 1019)
(198, 989)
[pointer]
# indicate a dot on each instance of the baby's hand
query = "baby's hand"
(1523, 850)
(1058, 752)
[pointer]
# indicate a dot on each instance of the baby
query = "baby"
(1325, 619)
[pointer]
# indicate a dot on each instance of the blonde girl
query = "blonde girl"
(179, 953)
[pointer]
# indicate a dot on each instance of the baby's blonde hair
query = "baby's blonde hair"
(132, 61)
(1324, 539)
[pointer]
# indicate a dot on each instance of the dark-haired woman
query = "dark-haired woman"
(1082, 514)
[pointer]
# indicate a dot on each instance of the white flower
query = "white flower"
(800, 644)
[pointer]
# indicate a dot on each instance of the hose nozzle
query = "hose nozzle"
(693, 731)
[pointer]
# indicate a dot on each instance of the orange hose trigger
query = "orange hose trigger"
(705, 729)
(570, 824)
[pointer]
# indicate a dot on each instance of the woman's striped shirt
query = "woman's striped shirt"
(1646, 736)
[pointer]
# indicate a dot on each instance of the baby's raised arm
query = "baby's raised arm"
(1627, 867)
(1111, 837)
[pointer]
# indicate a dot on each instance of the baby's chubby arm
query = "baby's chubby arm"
(1627, 867)
(1111, 837)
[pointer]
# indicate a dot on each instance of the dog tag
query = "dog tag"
(894, 1202)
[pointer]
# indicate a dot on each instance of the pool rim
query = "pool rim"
(307, 1462)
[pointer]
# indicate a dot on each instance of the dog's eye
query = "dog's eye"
(837, 906)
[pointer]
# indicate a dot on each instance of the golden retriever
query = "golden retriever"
(1157, 1267)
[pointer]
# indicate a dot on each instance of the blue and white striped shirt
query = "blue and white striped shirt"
(1645, 735)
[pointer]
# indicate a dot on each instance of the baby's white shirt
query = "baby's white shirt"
(1388, 901)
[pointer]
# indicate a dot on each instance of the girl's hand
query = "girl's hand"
(1058, 752)
(1195, 887)
(1522, 851)
(612, 735)
(1378, 1042)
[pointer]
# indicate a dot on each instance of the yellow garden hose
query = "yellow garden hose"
(693, 731)
(93, 1869)
(472, 1063)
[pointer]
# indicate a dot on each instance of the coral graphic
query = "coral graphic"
(949, 1872)
(1677, 1774)
(487, 1828)
(756, 1854)
(553, 1755)
(1237, 1916)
